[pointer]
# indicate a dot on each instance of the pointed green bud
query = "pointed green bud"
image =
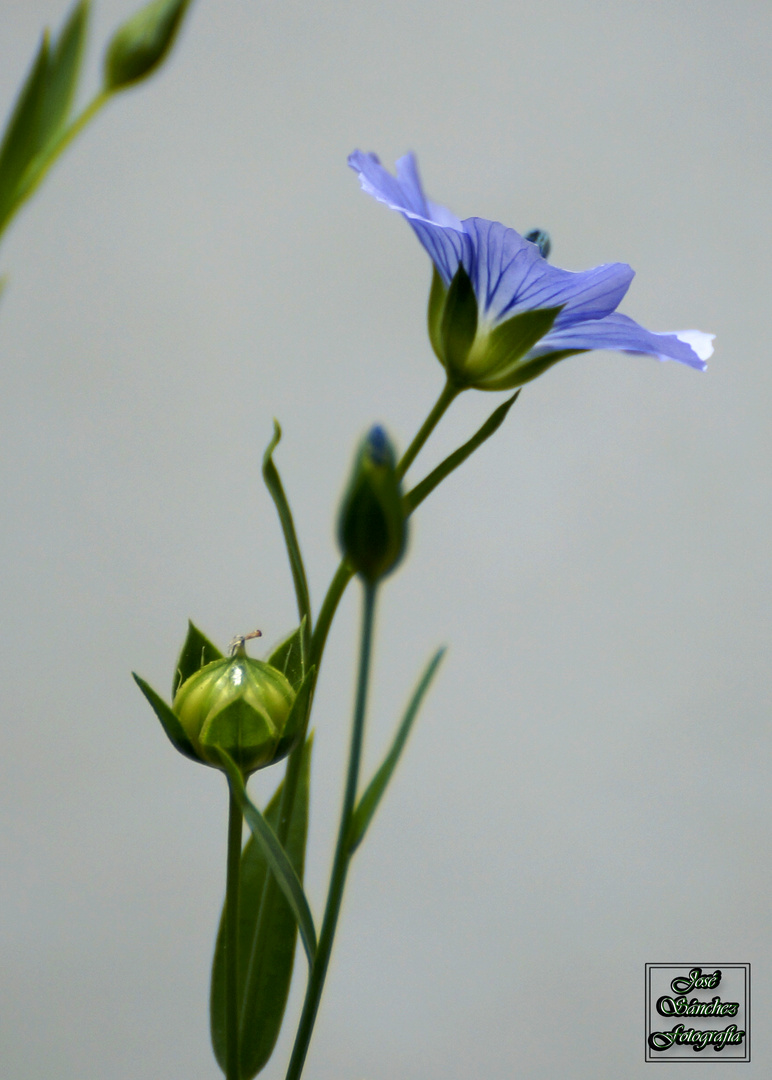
(372, 528)
(238, 705)
(143, 42)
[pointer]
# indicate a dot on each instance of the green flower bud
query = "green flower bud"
(143, 42)
(372, 528)
(238, 705)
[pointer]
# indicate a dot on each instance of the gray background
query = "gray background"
(587, 788)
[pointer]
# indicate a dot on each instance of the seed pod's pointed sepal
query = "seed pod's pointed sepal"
(372, 528)
(298, 718)
(197, 652)
(169, 722)
(458, 325)
(289, 657)
(142, 43)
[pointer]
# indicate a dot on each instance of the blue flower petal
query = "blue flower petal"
(510, 276)
(622, 334)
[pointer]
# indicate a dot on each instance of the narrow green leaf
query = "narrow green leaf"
(458, 324)
(276, 491)
(169, 721)
(276, 857)
(143, 42)
(197, 651)
(509, 343)
(417, 495)
(267, 935)
(368, 804)
(289, 657)
(22, 134)
(63, 70)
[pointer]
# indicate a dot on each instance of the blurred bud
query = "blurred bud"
(143, 42)
(238, 705)
(541, 238)
(372, 528)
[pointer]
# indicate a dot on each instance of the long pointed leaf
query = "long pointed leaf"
(417, 495)
(368, 804)
(276, 490)
(267, 936)
(276, 857)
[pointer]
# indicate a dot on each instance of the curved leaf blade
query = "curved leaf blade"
(368, 804)
(276, 857)
(276, 491)
(416, 495)
(267, 936)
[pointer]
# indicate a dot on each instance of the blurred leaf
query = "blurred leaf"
(197, 652)
(289, 657)
(417, 495)
(267, 933)
(368, 804)
(63, 71)
(276, 490)
(143, 42)
(169, 721)
(22, 135)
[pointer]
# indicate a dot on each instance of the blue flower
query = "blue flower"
(499, 313)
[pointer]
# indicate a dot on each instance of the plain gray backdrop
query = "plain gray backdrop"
(587, 789)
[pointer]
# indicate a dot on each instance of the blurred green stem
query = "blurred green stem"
(235, 823)
(342, 850)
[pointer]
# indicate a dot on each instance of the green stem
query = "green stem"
(40, 165)
(235, 822)
(446, 398)
(342, 850)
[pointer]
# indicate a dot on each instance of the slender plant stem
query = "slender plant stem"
(235, 821)
(342, 852)
(446, 398)
(40, 164)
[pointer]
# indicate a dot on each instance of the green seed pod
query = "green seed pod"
(238, 705)
(372, 528)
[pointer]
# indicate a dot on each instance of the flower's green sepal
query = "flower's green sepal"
(438, 294)
(238, 705)
(169, 722)
(458, 326)
(197, 651)
(495, 361)
(142, 43)
(372, 528)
